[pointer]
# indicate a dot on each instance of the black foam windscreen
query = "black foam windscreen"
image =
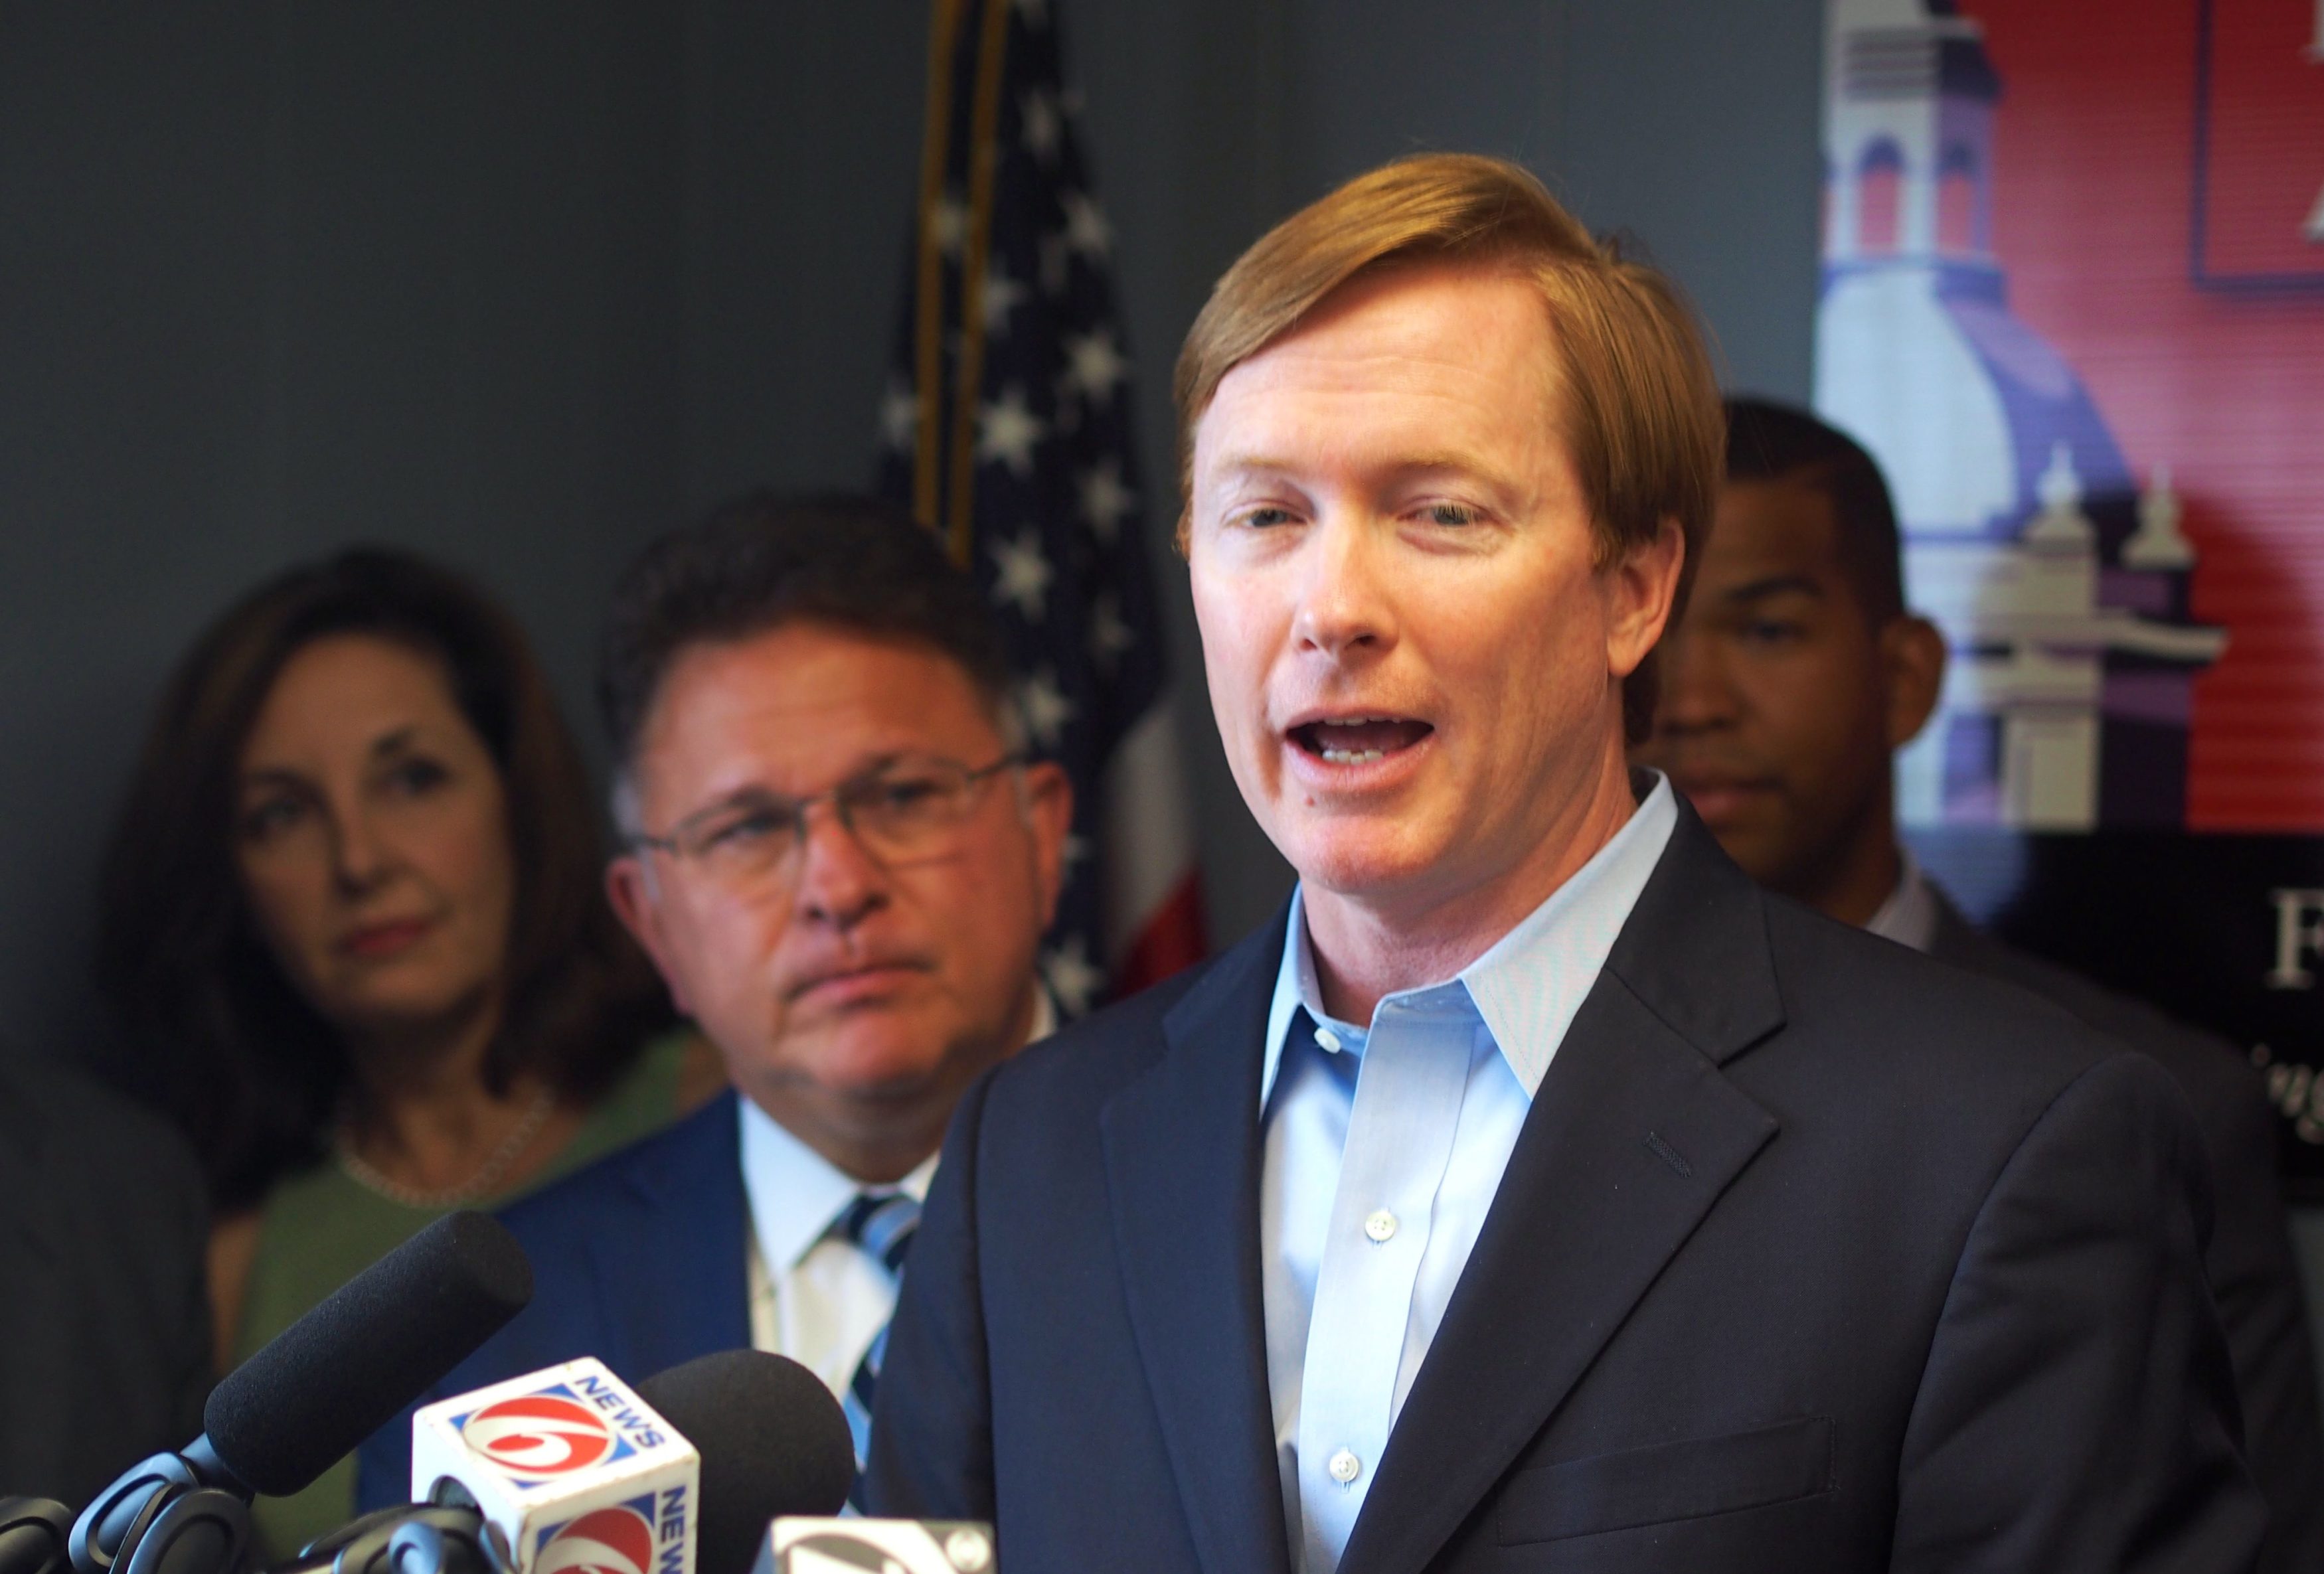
(341, 1372)
(772, 1440)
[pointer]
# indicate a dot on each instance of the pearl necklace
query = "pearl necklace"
(480, 1184)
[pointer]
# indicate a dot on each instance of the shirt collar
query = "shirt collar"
(1909, 916)
(1528, 986)
(1044, 1017)
(795, 1192)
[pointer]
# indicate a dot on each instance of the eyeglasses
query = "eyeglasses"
(902, 812)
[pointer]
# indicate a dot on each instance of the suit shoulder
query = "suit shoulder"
(567, 1205)
(2219, 1084)
(1889, 999)
(1099, 1052)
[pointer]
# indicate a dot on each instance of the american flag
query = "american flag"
(1007, 429)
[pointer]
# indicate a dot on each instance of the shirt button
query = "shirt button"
(1344, 1467)
(1381, 1225)
(1328, 1040)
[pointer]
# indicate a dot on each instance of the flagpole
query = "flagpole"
(984, 166)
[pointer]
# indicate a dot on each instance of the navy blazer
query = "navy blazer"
(638, 1260)
(2254, 1275)
(1812, 1254)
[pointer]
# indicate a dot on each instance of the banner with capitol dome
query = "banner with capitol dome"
(2073, 302)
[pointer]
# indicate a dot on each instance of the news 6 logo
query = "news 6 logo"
(889, 1546)
(538, 1437)
(617, 1538)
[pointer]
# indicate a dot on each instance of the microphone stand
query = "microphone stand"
(448, 1535)
(32, 1534)
(171, 1513)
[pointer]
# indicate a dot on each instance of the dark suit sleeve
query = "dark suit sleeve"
(932, 1425)
(2255, 1280)
(2078, 1411)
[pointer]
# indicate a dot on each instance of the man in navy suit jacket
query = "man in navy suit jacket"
(1795, 671)
(841, 863)
(1534, 1193)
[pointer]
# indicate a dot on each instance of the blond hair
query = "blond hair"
(1641, 417)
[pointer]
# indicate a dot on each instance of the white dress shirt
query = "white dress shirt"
(815, 1296)
(1373, 1187)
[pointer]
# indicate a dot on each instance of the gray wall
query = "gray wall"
(277, 278)
(511, 285)
(519, 285)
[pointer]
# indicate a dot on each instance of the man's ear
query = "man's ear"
(1913, 670)
(1047, 801)
(629, 889)
(1642, 587)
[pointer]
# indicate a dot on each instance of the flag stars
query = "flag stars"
(899, 415)
(1002, 296)
(1070, 975)
(1007, 431)
(1042, 126)
(1045, 709)
(1022, 575)
(1105, 501)
(1086, 230)
(1109, 635)
(1094, 365)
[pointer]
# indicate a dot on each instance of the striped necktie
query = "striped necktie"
(881, 1225)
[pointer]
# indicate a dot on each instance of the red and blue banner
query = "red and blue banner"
(2073, 302)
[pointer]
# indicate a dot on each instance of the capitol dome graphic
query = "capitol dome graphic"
(2059, 577)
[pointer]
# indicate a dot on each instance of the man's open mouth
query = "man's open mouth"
(1359, 739)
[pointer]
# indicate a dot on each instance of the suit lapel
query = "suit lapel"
(670, 1266)
(1634, 1134)
(1181, 1150)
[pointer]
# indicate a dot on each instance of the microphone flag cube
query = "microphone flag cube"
(804, 1545)
(574, 1472)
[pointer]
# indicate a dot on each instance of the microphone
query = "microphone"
(898, 1546)
(801, 1472)
(773, 1442)
(557, 1470)
(316, 1390)
(345, 1370)
(570, 1471)
(32, 1531)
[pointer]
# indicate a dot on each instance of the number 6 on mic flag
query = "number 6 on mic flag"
(572, 1473)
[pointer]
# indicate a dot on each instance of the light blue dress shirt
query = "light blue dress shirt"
(1384, 1148)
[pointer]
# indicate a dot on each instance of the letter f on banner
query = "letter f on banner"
(2299, 936)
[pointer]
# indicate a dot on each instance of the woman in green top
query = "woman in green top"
(352, 923)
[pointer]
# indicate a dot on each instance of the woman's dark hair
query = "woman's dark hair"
(214, 1029)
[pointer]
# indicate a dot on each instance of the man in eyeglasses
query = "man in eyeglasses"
(841, 863)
